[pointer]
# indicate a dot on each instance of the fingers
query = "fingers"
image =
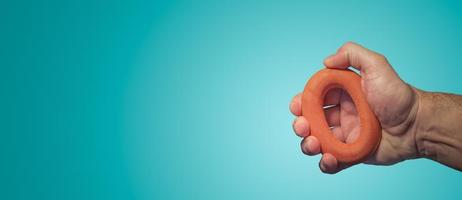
(310, 146)
(332, 98)
(349, 54)
(332, 110)
(352, 54)
(329, 164)
(296, 105)
(301, 127)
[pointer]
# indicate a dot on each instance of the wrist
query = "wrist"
(409, 146)
(424, 128)
(437, 129)
(415, 128)
(429, 129)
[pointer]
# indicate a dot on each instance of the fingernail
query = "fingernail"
(321, 165)
(328, 59)
(299, 128)
(309, 141)
(294, 125)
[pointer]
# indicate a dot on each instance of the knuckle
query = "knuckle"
(348, 45)
(379, 58)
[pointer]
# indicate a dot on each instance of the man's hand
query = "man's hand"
(394, 102)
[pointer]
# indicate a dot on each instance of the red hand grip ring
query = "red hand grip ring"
(312, 109)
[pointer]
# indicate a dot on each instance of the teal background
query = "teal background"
(189, 99)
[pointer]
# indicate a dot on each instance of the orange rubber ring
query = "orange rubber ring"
(312, 109)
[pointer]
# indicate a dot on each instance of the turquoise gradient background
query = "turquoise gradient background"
(189, 99)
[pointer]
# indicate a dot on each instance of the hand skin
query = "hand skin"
(415, 123)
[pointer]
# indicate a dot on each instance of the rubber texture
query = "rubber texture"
(312, 109)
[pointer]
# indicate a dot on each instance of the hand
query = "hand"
(394, 102)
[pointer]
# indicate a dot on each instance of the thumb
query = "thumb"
(355, 55)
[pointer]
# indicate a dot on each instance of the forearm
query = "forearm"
(438, 128)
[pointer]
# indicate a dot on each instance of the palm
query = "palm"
(345, 123)
(343, 118)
